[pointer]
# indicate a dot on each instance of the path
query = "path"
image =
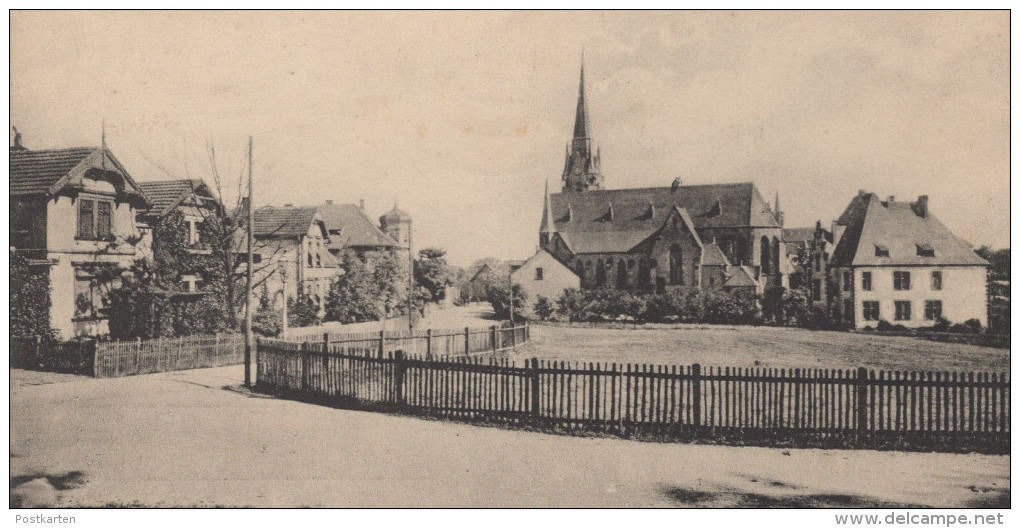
(191, 438)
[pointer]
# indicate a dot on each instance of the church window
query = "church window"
(630, 263)
(600, 273)
(621, 275)
(676, 271)
(766, 256)
(644, 275)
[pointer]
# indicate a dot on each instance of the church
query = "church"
(683, 237)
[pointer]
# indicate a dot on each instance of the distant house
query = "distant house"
(194, 199)
(291, 243)
(351, 229)
(808, 249)
(543, 275)
(72, 215)
(894, 261)
(477, 287)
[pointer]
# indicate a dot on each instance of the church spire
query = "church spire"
(582, 171)
(780, 217)
(548, 222)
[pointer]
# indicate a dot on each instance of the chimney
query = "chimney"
(361, 204)
(651, 210)
(862, 193)
(611, 215)
(891, 198)
(570, 213)
(921, 206)
(288, 205)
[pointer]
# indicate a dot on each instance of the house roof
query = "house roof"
(355, 228)
(539, 254)
(802, 235)
(283, 222)
(711, 255)
(485, 268)
(737, 276)
(47, 171)
(167, 194)
(903, 231)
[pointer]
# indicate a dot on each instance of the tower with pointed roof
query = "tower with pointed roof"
(582, 170)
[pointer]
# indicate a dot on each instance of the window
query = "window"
(818, 262)
(621, 276)
(932, 310)
(85, 212)
(925, 250)
(936, 280)
(901, 280)
(191, 283)
(848, 280)
(676, 260)
(881, 251)
(871, 312)
(866, 280)
(816, 290)
(902, 310)
(95, 219)
(538, 273)
(600, 273)
(104, 219)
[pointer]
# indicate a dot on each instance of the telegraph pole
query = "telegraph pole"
(410, 280)
(248, 339)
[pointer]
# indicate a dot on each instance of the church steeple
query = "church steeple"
(583, 164)
(548, 227)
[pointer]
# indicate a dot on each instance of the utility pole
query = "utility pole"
(410, 280)
(510, 290)
(248, 339)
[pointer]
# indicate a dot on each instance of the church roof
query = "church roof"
(905, 236)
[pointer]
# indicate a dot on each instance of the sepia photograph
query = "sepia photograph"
(374, 259)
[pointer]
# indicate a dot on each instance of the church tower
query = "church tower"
(582, 170)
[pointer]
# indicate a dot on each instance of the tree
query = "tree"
(354, 296)
(499, 298)
(29, 298)
(302, 311)
(431, 273)
(999, 259)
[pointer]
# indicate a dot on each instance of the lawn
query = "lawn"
(744, 346)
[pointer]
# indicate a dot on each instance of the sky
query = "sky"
(461, 117)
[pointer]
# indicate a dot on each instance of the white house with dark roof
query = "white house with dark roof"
(895, 261)
(72, 215)
(543, 276)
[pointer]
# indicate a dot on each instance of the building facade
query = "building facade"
(894, 261)
(543, 275)
(72, 215)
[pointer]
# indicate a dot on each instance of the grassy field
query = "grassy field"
(757, 346)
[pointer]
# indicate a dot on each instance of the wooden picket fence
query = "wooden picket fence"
(429, 342)
(164, 354)
(848, 408)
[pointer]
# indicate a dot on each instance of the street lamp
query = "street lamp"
(283, 265)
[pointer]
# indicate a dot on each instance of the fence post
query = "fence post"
(696, 396)
(467, 340)
(535, 409)
(305, 357)
(138, 355)
(325, 353)
(398, 377)
(495, 344)
(428, 342)
(382, 343)
(861, 388)
(95, 358)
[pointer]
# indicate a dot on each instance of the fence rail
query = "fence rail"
(862, 408)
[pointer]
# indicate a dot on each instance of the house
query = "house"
(476, 289)
(197, 203)
(72, 215)
(350, 229)
(895, 261)
(808, 249)
(291, 247)
(654, 239)
(543, 276)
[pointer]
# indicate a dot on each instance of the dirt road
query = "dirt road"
(192, 439)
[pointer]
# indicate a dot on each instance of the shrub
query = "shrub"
(884, 326)
(543, 308)
(29, 299)
(797, 306)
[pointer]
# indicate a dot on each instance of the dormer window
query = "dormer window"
(881, 250)
(925, 250)
(95, 219)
